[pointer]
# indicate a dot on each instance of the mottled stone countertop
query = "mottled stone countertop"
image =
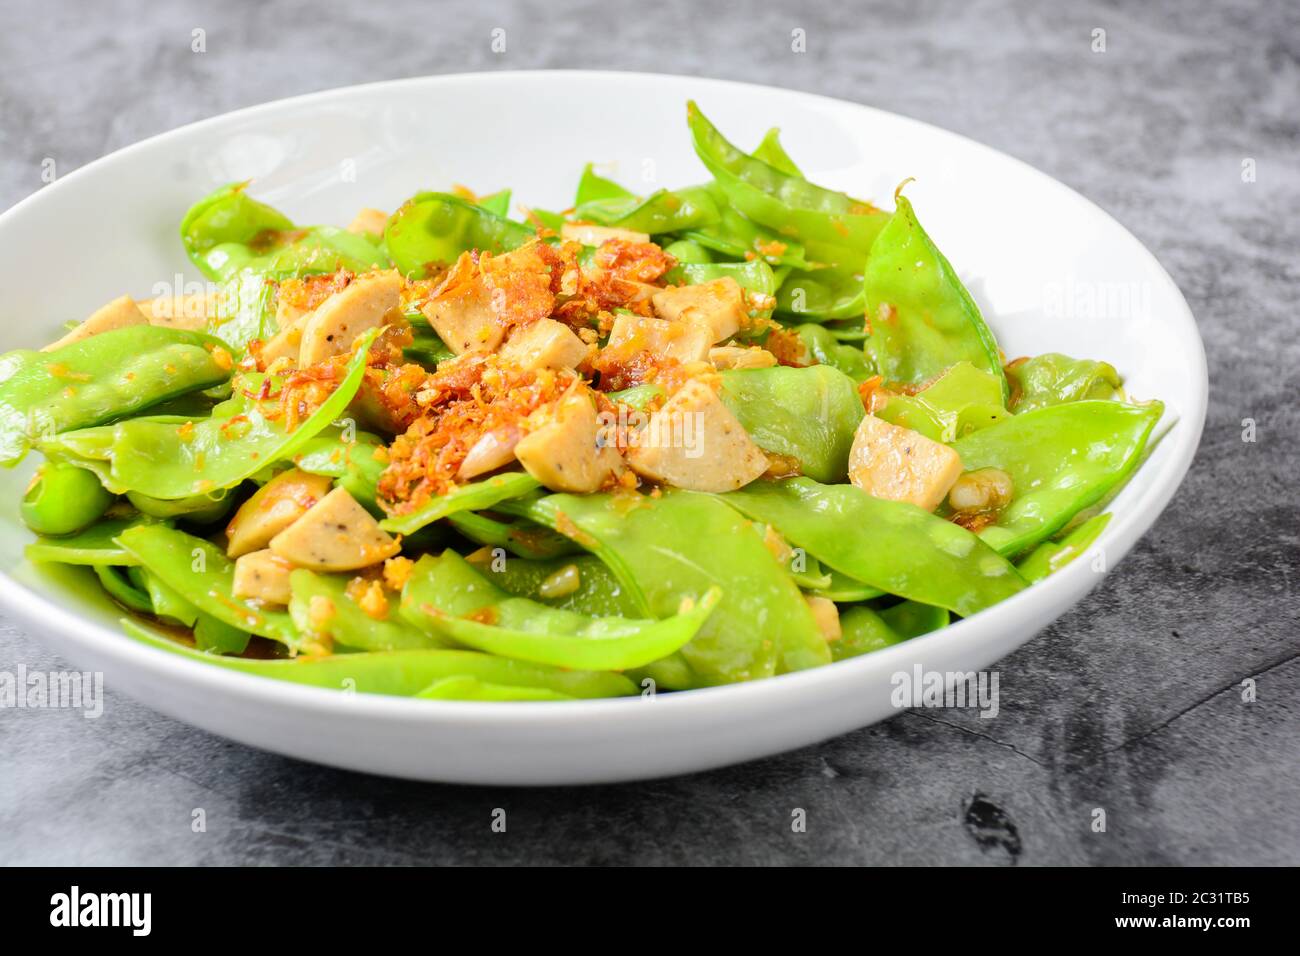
(1131, 702)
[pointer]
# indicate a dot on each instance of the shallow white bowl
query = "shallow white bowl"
(1052, 271)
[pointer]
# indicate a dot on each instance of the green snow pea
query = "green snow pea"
(1051, 556)
(245, 310)
(809, 414)
(347, 623)
(598, 594)
(199, 509)
(638, 396)
(963, 400)
(107, 376)
(94, 545)
(1053, 378)
(545, 219)
(465, 687)
(847, 330)
(63, 499)
(318, 249)
(665, 210)
(834, 292)
(825, 349)
(476, 496)
(163, 457)
(522, 538)
(680, 546)
(498, 203)
(790, 205)
(806, 570)
(447, 596)
(201, 573)
(592, 187)
(352, 464)
(435, 228)
(427, 348)
(165, 602)
(773, 153)
(1061, 459)
(121, 589)
(844, 590)
(734, 235)
(402, 673)
(210, 634)
(218, 637)
(227, 217)
(891, 545)
(689, 252)
(228, 232)
(922, 320)
(865, 630)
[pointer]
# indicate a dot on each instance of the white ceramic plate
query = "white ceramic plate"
(1052, 271)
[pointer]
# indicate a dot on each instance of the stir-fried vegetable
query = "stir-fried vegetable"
(657, 442)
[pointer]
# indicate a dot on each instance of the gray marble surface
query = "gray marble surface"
(1131, 703)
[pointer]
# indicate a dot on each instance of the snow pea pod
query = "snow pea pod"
(107, 376)
(844, 590)
(598, 592)
(1053, 378)
(592, 187)
(335, 616)
(217, 637)
(922, 320)
(790, 205)
(825, 349)
(352, 464)
(770, 151)
(434, 228)
(891, 545)
(197, 509)
(170, 606)
(402, 673)
(466, 687)
(1061, 459)
(1050, 556)
(162, 458)
(498, 203)
(317, 249)
(689, 252)
(228, 232)
(202, 574)
(679, 546)
(245, 310)
(166, 602)
(865, 630)
(808, 414)
(448, 597)
(121, 589)
(95, 545)
(522, 538)
(665, 210)
(963, 400)
(835, 292)
(734, 235)
(475, 496)
(638, 396)
(225, 217)
(427, 348)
